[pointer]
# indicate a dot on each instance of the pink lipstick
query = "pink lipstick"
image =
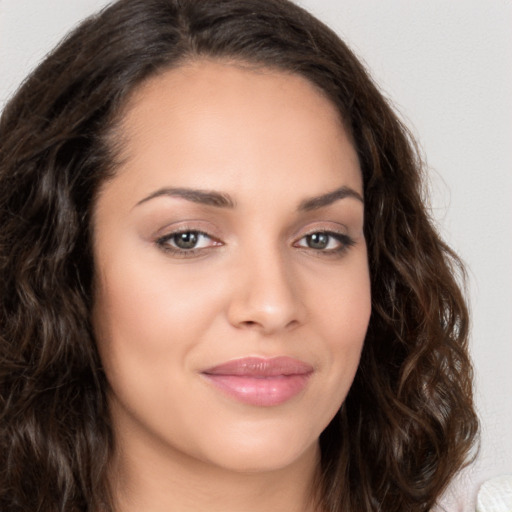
(259, 381)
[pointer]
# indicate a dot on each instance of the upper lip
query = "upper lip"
(261, 367)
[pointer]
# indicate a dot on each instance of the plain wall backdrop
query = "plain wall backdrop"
(447, 68)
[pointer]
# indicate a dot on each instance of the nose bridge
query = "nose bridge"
(265, 292)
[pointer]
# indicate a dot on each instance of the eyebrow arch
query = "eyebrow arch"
(314, 203)
(206, 197)
(222, 200)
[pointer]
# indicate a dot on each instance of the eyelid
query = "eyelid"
(335, 230)
(341, 237)
(163, 236)
(201, 226)
(321, 227)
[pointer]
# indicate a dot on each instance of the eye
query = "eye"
(189, 240)
(186, 243)
(326, 241)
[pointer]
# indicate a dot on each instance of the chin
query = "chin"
(263, 452)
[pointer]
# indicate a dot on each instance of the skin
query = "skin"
(254, 286)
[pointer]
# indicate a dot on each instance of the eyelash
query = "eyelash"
(345, 242)
(164, 243)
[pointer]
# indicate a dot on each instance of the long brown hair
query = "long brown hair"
(407, 425)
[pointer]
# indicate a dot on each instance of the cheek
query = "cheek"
(143, 295)
(146, 315)
(341, 299)
(149, 320)
(343, 315)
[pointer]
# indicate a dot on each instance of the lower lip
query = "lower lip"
(260, 391)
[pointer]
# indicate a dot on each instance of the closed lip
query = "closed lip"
(259, 367)
(261, 382)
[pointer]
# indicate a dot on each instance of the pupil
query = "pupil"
(318, 240)
(186, 240)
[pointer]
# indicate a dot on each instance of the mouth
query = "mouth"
(259, 381)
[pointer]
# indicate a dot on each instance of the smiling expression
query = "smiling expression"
(229, 250)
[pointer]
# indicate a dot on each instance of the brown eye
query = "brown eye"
(186, 240)
(326, 242)
(187, 243)
(318, 240)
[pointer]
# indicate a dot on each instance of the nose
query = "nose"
(265, 296)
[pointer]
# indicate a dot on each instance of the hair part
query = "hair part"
(408, 423)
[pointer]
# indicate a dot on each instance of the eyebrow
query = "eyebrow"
(206, 197)
(222, 200)
(315, 203)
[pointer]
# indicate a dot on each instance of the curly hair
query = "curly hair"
(408, 423)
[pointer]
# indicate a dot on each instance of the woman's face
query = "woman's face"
(232, 285)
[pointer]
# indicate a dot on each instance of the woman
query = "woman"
(184, 330)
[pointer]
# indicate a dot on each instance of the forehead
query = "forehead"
(234, 121)
(218, 77)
